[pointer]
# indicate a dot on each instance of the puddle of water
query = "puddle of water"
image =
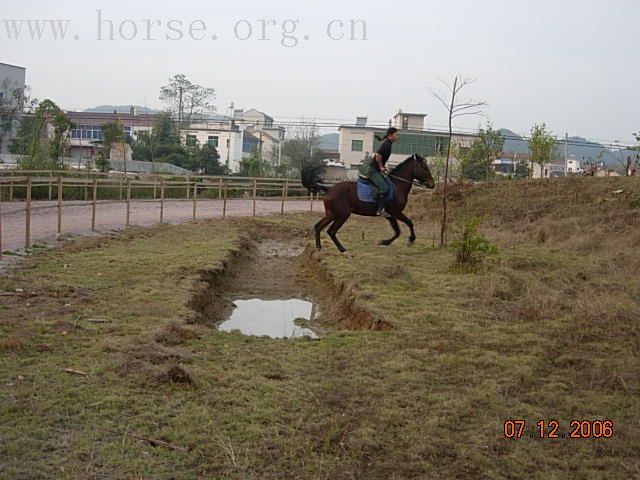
(273, 318)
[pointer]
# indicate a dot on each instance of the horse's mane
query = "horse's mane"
(400, 165)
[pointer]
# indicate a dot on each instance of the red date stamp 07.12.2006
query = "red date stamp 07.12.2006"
(516, 429)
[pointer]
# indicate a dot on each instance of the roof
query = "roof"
(13, 66)
(258, 111)
(410, 114)
(439, 133)
(142, 119)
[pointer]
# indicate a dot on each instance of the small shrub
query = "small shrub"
(471, 247)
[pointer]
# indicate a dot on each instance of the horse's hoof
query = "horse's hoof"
(412, 241)
(384, 243)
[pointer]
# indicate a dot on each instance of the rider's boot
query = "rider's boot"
(381, 212)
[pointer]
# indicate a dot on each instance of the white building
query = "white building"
(12, 87)
(270, 136)
(224, 135)
(358, 141)
(237, 137)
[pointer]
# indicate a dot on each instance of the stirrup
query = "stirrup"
(383, 213)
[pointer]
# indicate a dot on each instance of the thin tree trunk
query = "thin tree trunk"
(446, 167)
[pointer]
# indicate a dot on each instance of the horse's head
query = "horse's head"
(421, 172)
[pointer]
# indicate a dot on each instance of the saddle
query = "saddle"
(367, 190)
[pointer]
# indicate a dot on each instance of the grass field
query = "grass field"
(547, 330)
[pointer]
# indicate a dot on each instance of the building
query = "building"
(12, 85)
(224, 134)
(12, 88)
(270, 136)
(87, 132)
(236, 137)
(358, 141)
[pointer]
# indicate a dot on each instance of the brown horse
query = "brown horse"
(341, 200)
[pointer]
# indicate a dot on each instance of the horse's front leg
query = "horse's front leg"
(407, 221)
(396, 232)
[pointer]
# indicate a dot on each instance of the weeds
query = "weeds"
(470, 246)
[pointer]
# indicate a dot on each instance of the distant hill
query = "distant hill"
(121, 109)
(580, 148)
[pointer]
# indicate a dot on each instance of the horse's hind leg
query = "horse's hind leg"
(396, 232)
(319, 227)
(407, 221)
(333, 230)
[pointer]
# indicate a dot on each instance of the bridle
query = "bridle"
(412, 182)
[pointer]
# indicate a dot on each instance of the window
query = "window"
(213, 141)
(405, 122)
(425, 144)
(357, 145)
(191, 140)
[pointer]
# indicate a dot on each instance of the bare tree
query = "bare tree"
(455, 108)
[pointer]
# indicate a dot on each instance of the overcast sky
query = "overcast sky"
(572, 64)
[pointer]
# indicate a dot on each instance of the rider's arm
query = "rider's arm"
(378, 159)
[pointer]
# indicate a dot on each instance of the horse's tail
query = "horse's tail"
(311, 177)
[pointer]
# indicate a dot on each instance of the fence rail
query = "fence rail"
(98, 189)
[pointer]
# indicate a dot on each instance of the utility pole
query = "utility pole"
(260, 154)
(179, 108)
(566, 154)
(231, 107)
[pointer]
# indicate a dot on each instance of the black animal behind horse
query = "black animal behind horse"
(341, 200)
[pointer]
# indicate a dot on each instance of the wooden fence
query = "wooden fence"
(104, 188)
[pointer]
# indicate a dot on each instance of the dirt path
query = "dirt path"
(76, 216)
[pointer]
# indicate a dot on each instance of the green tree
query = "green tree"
(164, 130)
(39, 149)
(522, 170)
(112, 133)
(205, 160)
(542, 146)
(250, 166)
(15, 104)
(477, 161)
(186, 99)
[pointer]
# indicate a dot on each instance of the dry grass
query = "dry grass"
(547, 330)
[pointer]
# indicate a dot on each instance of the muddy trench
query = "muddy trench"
(270, 275)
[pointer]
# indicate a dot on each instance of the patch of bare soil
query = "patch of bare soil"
(271, 265)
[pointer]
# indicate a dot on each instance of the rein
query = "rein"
(413, 182)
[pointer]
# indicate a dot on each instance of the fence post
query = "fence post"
(59, 230)
(0, 220)
(195, 198)
(128, 201)
(161, 200)
(254, 196)
(219, 188)
(155, 191)
(11, 190)
(27, 216)
(224, 206)
(50, 184)
(120, 195)
(188, 180)
(93, 204)
(86, 187)
(282, 201)
(311, 198)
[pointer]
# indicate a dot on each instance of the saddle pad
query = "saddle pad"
(366, 191)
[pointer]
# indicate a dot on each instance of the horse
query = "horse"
(341, 200)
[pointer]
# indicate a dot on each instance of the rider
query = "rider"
(376, 168)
